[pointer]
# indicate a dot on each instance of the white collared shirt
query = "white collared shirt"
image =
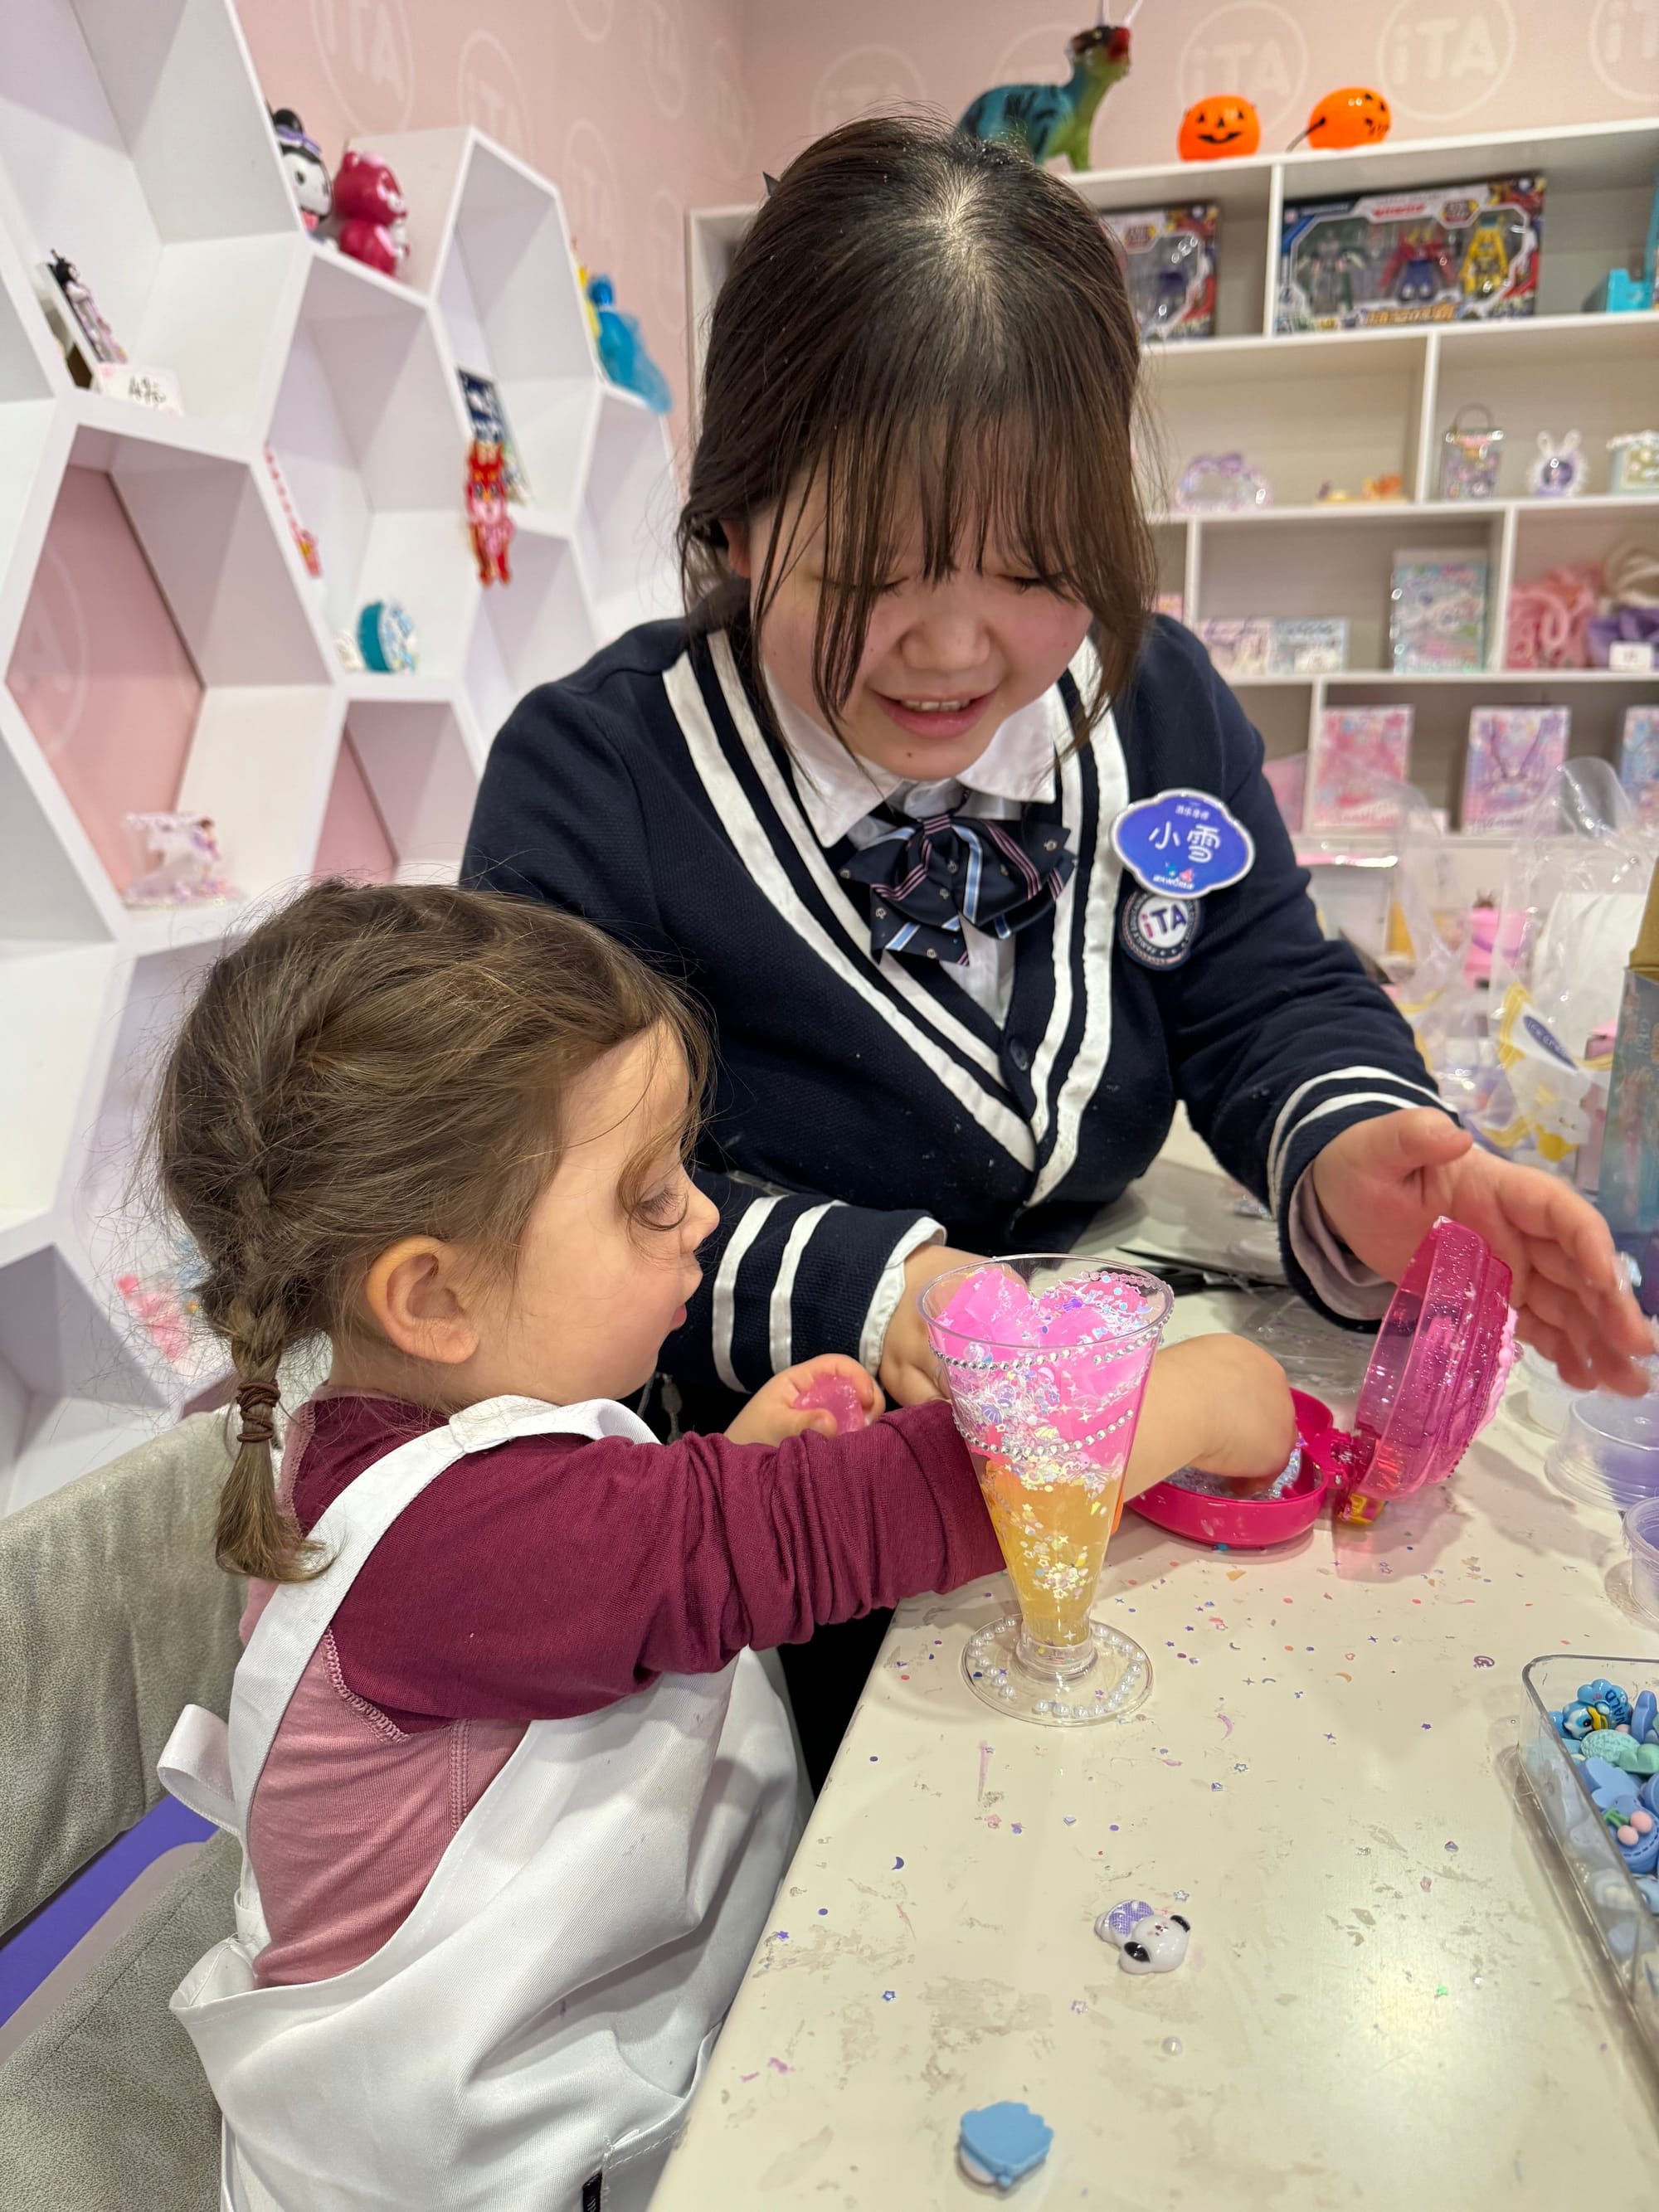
(839, 791)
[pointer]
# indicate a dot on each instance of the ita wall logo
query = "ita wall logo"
(862, 81)
(1439, 62)
(1624, 45)
(662, 42)
(592, 18)
(665, 238)
(592, 198)
(369, 58)
(491, 95)
(731, 118)
(1251, 48)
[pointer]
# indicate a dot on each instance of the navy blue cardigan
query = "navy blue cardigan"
(853, 1100)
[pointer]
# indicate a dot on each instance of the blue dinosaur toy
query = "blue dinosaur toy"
(1051, 119)
(623, 353)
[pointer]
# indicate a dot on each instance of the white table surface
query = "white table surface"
(1389, 2000)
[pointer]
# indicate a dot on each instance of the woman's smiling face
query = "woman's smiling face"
(947, 661)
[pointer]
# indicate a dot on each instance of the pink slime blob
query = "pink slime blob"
(834, 1394)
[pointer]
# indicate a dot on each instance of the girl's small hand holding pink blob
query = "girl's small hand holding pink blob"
(807, 1397)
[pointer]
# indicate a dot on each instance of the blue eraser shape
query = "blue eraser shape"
(1609, 1697)
(1645, 1713)
(999, 2144)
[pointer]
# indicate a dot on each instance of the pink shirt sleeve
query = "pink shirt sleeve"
(552, 1576)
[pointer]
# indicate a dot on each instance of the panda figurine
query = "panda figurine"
(1147, 1942)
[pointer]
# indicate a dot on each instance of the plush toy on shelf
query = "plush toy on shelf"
(622, 352)
(487, 512)
(304, 167)
(370, 219)
(1218, 129)
(1051, 119)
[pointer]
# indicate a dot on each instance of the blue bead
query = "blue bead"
(1645, 1715)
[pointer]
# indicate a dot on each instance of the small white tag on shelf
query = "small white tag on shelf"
(154, 388)
(1631, 656)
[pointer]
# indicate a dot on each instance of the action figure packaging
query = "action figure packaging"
(1169, 265)
(1445, 253)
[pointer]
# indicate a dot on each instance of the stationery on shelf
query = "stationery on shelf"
(1437, 609)
(1264, 645)
(1513, 753)
(1354, 750)
(1638, 762)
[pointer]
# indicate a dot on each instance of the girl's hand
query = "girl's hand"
(1383, 1183)
(1218, 1402)
(772, 1413)
(908, 1371)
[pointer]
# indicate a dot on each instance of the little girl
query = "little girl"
(513, 1791)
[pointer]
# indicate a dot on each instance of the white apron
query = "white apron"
(529, 2038)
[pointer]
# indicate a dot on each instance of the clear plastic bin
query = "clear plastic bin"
(1642, 1535)
(1608, 1452)
(1628, 1932)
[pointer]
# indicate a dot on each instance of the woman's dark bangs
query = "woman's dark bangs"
(1025, 461)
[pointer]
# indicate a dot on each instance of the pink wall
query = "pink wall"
(635, 108)
(1449, 67)
(100, 672)
(354, 840)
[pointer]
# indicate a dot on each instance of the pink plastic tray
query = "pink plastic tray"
(1248, 1523)
(1435, 1377)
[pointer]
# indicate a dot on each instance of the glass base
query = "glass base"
(1022, 1683)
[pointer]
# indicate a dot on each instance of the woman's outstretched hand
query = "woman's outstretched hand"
(1382, 1184)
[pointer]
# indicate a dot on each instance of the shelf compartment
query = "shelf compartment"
(1339, 415)
(54, 1002)
(73, 1393)
(403, 795)
(1440, 726)
(1598, 380)
(629, 507)
(530, 631)
(135, 142)
(511, 310)
(1296, 567)
(371, 436)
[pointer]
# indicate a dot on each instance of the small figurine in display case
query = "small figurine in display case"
(1419, 269)
(486, 510)
(1635, 462)
(1470, 455)
(176, 861)
(304, 166)
(370, 218)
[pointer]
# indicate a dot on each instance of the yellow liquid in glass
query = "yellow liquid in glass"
(1054, 1533)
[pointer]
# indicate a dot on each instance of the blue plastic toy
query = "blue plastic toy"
(1643, 1715)
(999, 2144)
(622, 352)
(1608, 1698)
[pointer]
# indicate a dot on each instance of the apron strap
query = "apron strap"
(195, 1767)
(294, 1622)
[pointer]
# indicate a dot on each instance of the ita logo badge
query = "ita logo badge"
(1159, 931)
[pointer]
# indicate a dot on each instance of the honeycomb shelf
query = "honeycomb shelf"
(162, 642)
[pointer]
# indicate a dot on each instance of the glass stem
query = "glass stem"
(1050, 1662)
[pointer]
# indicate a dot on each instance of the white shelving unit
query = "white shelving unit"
(134, 138)
(1345, 406)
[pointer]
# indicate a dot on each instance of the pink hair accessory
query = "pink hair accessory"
(1549, 617)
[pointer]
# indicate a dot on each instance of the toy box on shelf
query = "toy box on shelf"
(1168, 264)
(1446, 253)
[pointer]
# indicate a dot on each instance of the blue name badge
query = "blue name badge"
(1183, 843)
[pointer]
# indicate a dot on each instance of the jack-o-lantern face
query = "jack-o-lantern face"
(1222, 125)
(1354, 115)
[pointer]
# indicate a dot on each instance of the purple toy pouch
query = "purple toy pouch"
(1443, 1353)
